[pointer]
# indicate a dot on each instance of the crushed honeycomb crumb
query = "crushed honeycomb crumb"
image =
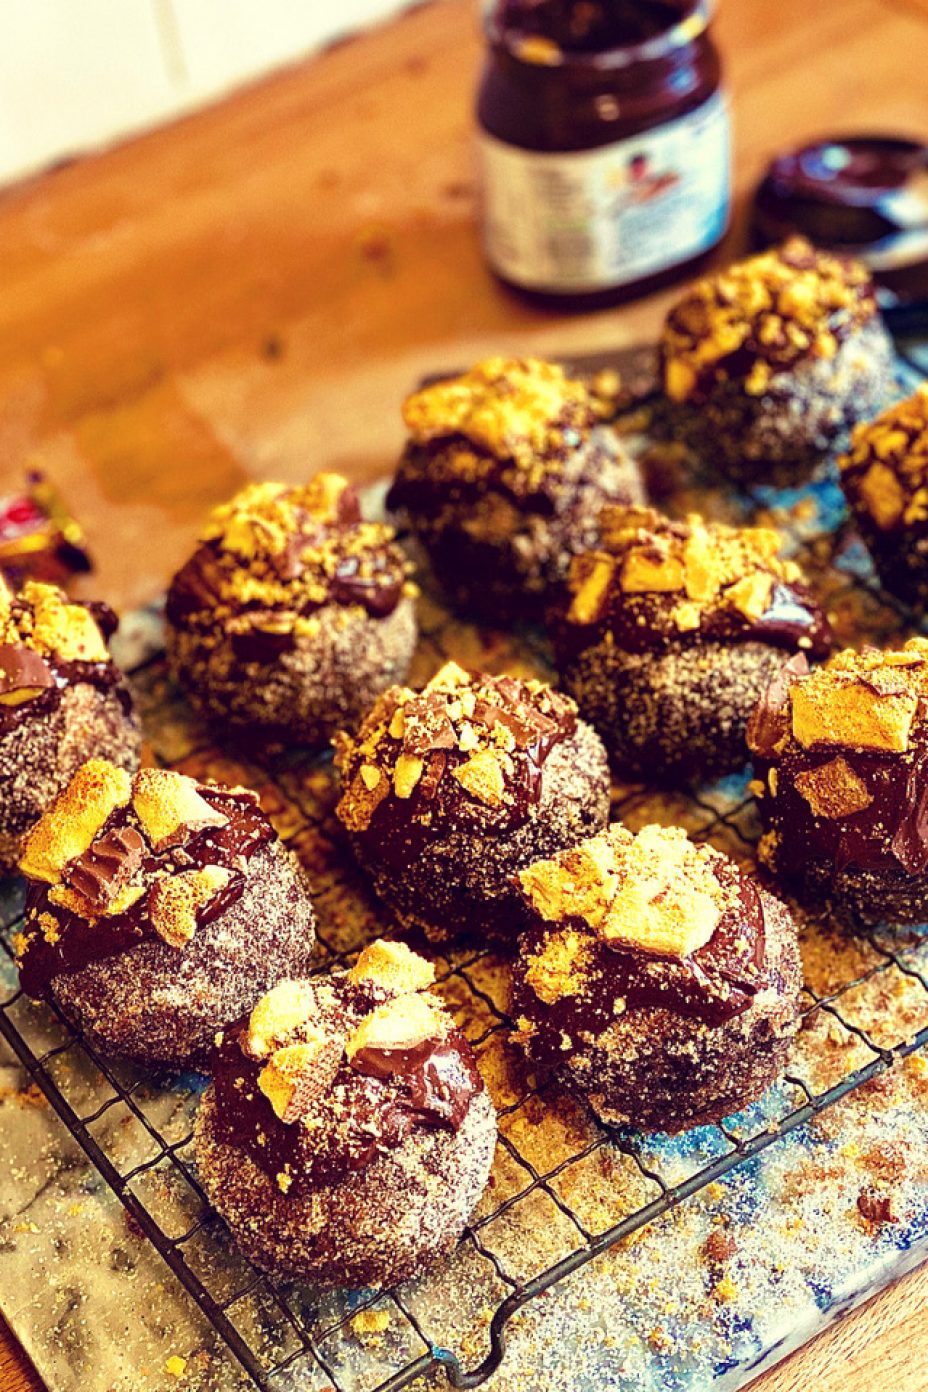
(655, 892)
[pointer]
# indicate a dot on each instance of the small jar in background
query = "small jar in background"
(604, 142)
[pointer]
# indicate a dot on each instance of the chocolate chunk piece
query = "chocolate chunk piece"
(24, 674)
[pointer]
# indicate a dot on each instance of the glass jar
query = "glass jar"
(604, 145)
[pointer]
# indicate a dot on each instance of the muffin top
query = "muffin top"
(885, 472)
(273, 557)
(840, 755)
(49, 642)
(465, 752)
(761, 317)
(513, 425)
(653, 583)
(327, 1074)
(118, 860)
(624, 921)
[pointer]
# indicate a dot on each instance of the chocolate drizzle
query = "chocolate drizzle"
(432, 1076)
(84, 933)
(370, 1107)
(713, 985)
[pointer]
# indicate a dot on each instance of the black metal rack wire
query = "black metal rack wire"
(309, 1341)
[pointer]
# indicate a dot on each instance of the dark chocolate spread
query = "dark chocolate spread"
(566, 79)
(117, 853)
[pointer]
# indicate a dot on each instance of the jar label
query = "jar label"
(597, 219)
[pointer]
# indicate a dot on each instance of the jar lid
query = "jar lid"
(864, 195)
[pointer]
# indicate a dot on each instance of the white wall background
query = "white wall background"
(78, 74)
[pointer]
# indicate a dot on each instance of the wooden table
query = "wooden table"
(249, 293)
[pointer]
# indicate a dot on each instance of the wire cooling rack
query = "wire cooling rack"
(296, 1329)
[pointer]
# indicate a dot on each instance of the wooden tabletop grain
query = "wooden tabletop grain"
(248, 293)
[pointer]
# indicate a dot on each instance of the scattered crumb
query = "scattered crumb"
(370, 1322)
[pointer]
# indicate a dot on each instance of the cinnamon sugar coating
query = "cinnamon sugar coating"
(841, 763)
(293, 613)
(773, 359)
(446, 792)
(62, 701)
(157, 909)
(884, 475)
(506, 469)
(348, 1133)
(668, 632)
(651, 974)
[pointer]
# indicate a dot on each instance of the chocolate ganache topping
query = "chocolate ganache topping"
(841, 762)
(467, 751)
(327, 1074)
(48, 643)
(117, 861)
(761, 317)
(516, 426)
(654, 583)
(625, 921)
(274, 556)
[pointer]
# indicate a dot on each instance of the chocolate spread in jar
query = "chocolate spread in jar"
(604, 142)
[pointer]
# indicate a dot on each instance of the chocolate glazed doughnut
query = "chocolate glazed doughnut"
(292, 615)
(841, 779)
(656, 981)
(669, 632)
(62, 701)
(348, 1134)
(771, 362)
(448, 791)
(158, 910)
(502, 480)
(885, 480)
